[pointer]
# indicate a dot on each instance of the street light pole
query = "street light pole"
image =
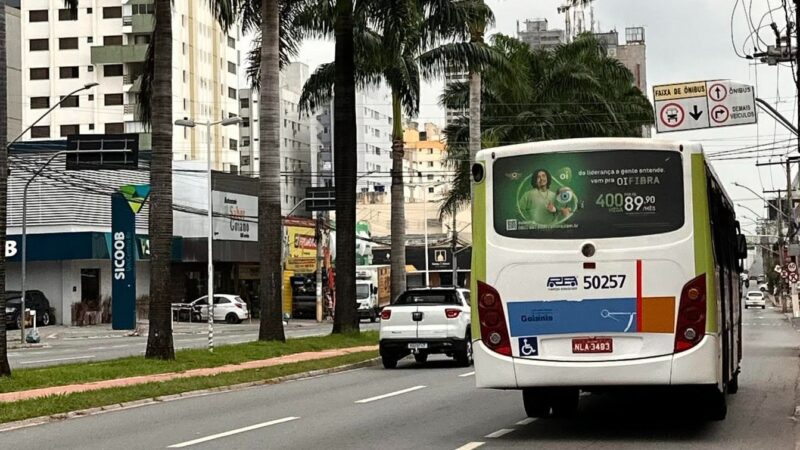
(25, 200)
(210, 215)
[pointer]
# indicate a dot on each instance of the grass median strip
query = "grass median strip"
(48, 406)
(66, 374)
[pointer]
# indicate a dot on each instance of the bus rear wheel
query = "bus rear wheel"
(546, 402)
(716, 406)
(536, 402)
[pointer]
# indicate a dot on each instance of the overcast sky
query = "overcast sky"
(687, 40)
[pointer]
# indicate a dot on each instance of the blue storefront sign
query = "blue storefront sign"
(123, 263)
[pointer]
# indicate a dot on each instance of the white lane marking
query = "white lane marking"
(527, 421)
(57, 359)
(500, 432)
(470, 446)
(391, 394)
(232, 432)
(468, 374)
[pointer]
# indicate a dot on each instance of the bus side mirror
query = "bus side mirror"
(374, 290)
(741, 246)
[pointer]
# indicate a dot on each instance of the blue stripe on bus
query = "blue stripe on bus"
(536, 318)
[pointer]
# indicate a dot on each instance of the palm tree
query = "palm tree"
(156, 100)
(573, 91)
(408, 40)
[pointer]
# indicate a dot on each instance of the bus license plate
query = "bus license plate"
(592, 345)
(417, 345)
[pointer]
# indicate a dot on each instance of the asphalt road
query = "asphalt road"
(437, 406)
(71, 345)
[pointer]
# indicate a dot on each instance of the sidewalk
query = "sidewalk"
(156, 378)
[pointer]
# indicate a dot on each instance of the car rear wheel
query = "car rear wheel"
(464, 356)
(389, 361)
(45, 320)
(373, 316)
(232, 318)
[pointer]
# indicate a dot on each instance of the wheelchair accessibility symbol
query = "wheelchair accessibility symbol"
(528, 346)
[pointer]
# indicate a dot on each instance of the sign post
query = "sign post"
(703, 104)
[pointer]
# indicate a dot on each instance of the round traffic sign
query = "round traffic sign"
(720, 114)
(717, 92)
(792, 267)
(672, 115)
(794, 278)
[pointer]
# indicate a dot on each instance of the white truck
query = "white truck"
(426, 321)
(372, 290)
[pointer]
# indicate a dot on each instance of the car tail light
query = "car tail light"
(494, 332)
(239, 305)
(386, 314)
(691, 326)
(452, 313)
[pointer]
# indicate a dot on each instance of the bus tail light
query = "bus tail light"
(691, 326)
(494, 332)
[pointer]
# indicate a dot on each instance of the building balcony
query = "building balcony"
(142, 23)
(119, 54)
(131, 109)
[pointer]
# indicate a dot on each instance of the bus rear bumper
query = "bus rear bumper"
(692, 367)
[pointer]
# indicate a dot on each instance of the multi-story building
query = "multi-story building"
(631, 53)
(538, 36)
(106, 42)
(295, 137)
(425, 153)
(374, 137)
(13, 59)
(455, 76)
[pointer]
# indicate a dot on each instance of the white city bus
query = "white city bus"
(604, 262)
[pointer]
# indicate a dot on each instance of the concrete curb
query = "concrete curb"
(10, 426)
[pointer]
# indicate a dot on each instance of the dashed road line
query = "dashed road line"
(468, 374)
(391, 394)
(470, 446)
(499, 433)
(232, 432)
(527, 421)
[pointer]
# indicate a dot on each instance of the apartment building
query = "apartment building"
(455, 76)
(295, 137)
(425, 153)
(537, 34)
(106, 42)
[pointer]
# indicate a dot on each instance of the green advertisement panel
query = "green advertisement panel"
(593, 194)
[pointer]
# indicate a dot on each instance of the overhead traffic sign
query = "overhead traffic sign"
(703, 104)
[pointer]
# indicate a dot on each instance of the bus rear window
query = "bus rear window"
(595, 194)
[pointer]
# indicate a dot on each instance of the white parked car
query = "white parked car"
(756, 299)
(227, 307)
(426, 321)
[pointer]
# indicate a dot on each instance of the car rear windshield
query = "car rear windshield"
(592, 194)
(428, 298)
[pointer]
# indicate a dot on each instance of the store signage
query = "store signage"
(11, 248)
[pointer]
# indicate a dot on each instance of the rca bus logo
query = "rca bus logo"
(119, 256)
(11, 249)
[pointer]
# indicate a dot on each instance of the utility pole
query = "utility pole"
(453, 252)
(318, 234)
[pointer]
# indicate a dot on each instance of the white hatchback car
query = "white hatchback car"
(756, 299)
(227, 307)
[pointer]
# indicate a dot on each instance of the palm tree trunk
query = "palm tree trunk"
(344, 160)
(270, 234)
(398, 221)
(159, 340)
(474, 115)
(5, 368)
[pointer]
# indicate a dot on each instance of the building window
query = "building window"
(183, 47)
(89, 40)
(38, 15)
(112, 40)
(113, 99)
(144, 8)
(376, 132)
(68, 130)
(245, 123)
(91, 97)
(231, 42)
(40, 132)
(66, 14)
(70, 102)
(40, 102)
(91, 127)
(232, 93)
(115, 128)
(244, 103)
(430, 163)
(68, 72)
(112, 70)
(90, 68)
(38, 45)
(89, 10)
(245, 142)
(234, 144)
(112, 12)
(68, 43)
(231, 68)
(40, 73)
(430, 176)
